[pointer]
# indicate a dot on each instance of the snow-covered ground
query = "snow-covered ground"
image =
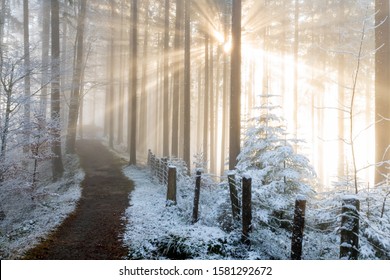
(26, 218)
(157, 231)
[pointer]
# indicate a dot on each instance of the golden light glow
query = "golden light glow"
(219, 36)
(227, 47)
(268, 68)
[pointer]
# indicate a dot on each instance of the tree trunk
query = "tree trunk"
(57, 166)
(341, 96)
(199, 136)
(143, 137)
(121, 82)
(65, 77)
(2, 24)
(27, 78)
(382, 88)
(206, 100)
(296, 46)
(134, 66)
(216, 130)
(212, 108)
(176, 78)
(76, 82)
(235, 87)
(111, 93)
(45, 56)
(166, 82)
(187, 86)
(224, 96)
(6, 125)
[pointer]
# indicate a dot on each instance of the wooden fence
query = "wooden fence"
(165, 171)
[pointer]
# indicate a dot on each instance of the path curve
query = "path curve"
(94, 230)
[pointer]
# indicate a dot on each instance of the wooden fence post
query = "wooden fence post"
(196, 196)
(153, 164)
(246, 209)
(234, 196)
(149, 158)
(298, 227)
(159, 170)
(349, 241)
(164, 170)
(171, 192)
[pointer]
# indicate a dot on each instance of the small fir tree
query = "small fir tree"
(278, 173)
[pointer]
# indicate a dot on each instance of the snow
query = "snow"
(155, 230)
(350, 197)
(25, 221)
(154, 227)
(231, 173)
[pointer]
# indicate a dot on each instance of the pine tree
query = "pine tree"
(268, 156)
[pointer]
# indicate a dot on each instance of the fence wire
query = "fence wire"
(323, 213)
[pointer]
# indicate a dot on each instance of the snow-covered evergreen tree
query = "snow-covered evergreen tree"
(278, 173)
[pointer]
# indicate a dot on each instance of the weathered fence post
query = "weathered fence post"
(160, 171)
(153, 164)
(164, 170)
(171, 192)
(196, 196)
(299, 224)
(233, 196)
(149, 158)
(349, 241)
(246, 209)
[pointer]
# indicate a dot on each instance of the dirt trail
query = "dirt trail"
(94, 229)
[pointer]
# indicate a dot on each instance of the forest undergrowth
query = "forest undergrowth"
(28, 214)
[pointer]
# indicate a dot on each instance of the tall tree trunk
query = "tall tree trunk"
(341, 95)
(211, 111)
(74, 106)
(199, 136)
(111, 93)
(27, 78)
(134, 66)
(144, 130)
(2, 26)
(235, 87)
(57, 166)
(206, 100)
(265, 91)
(166, 81)
(283, 57)
(121, 82)
(296, 46)
(66, 77)
(225, 96)
(157, 108)
(187, 86)
(5, 125)
(217, 145)
(176, 78)
(382, 88)
(45, 56)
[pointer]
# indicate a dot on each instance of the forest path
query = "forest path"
(93, 231)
